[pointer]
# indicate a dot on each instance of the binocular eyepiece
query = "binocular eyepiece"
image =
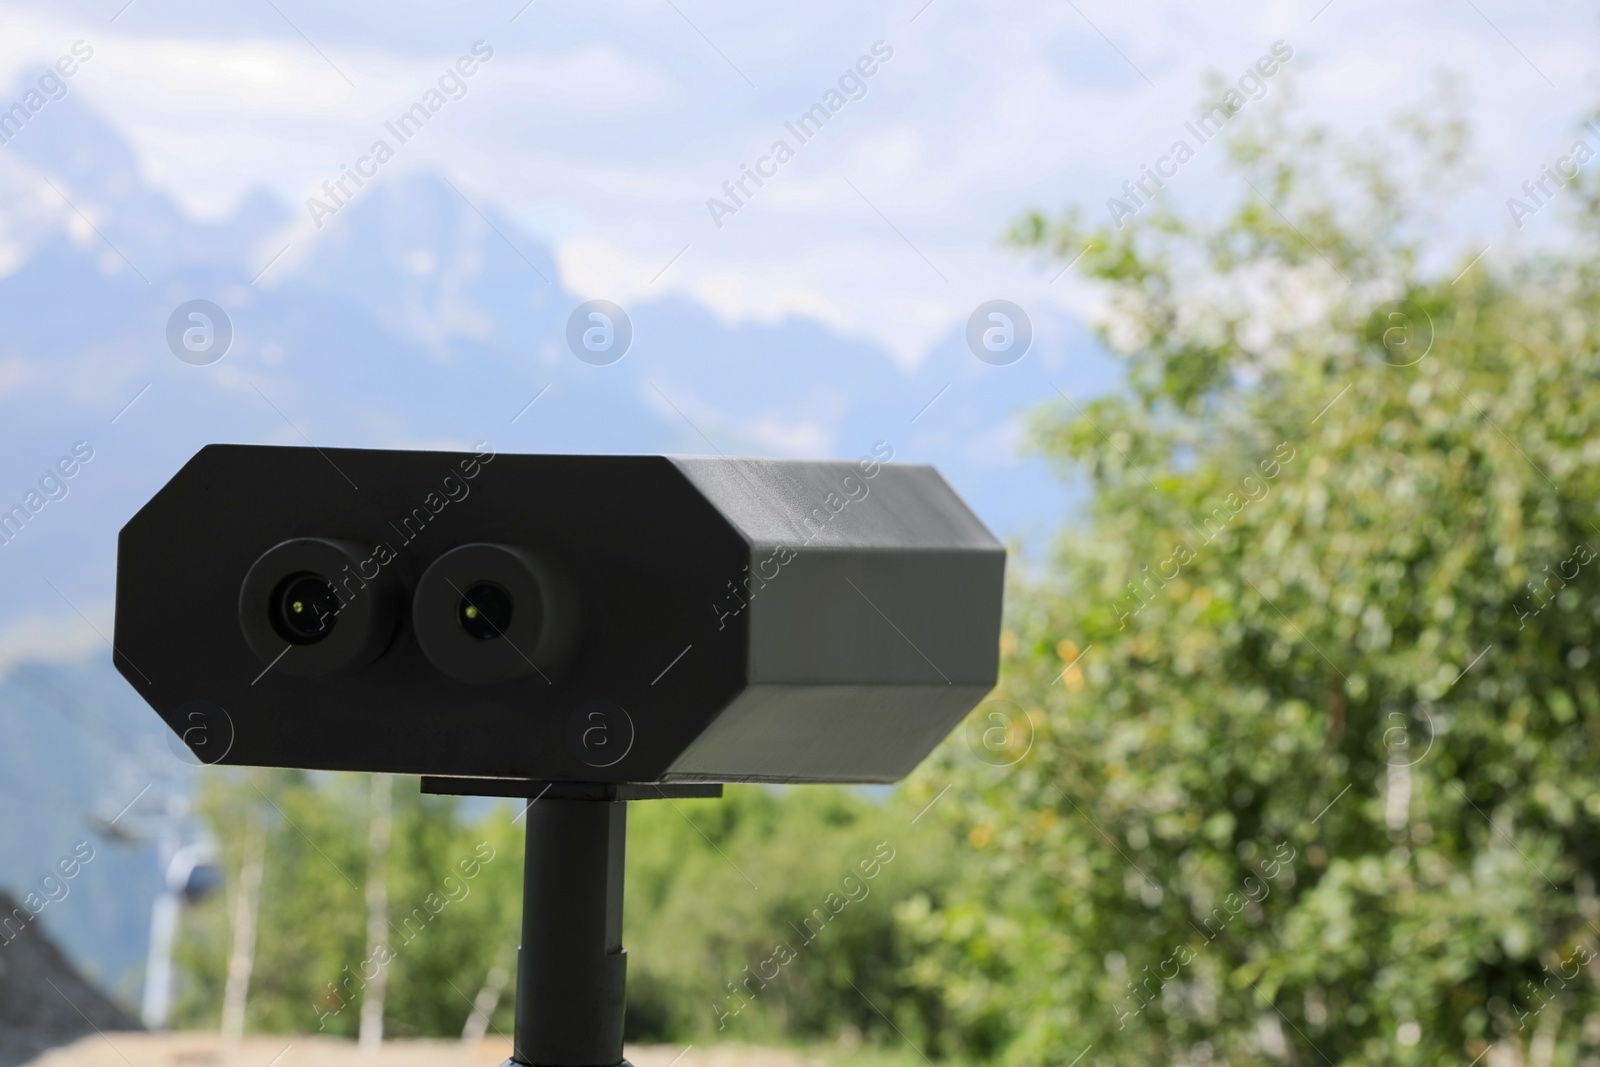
(483, 613)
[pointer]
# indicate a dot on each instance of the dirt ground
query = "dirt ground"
(208, 1050)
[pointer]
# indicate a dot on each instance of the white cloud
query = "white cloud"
(764, 432)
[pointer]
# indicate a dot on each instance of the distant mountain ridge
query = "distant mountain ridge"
(418, 317)
(80, 748)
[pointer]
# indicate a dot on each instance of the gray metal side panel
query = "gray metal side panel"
(784, 733)
(873, 611)
(835, 504)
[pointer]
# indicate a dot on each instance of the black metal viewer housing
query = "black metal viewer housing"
(583, 630)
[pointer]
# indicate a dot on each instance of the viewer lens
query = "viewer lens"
(485, 611)
(306, 609)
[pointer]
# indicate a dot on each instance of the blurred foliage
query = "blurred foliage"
(718, 889)
(1317, 743)
(715, 887)
(311, 948)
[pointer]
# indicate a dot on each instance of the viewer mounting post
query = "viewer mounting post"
(572, 966)
(574, 631)
(571, 969)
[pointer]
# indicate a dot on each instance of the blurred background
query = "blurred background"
(1264, 335)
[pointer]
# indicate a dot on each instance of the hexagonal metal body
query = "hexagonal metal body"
(734, 619)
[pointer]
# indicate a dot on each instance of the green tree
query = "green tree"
(767, 915)
(310, 891)
(454, 902)
(714, 888)
(1318, 731)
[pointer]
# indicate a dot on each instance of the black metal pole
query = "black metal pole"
(572, 968)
